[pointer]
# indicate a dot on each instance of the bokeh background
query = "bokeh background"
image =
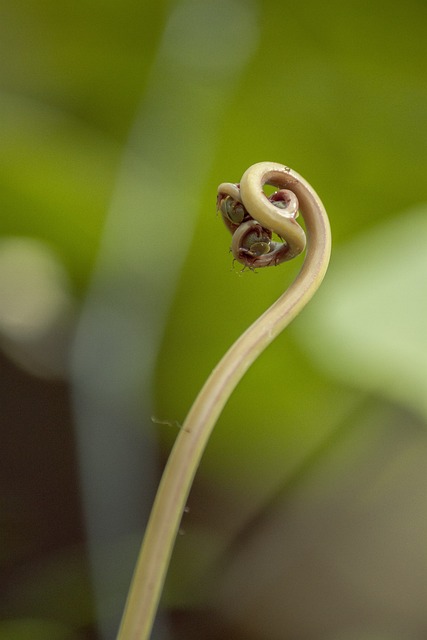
(308, 517)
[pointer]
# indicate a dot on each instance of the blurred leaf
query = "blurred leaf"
(56, 179)
(88, 58)
(367, 325)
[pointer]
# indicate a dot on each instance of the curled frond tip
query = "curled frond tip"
(252, 217)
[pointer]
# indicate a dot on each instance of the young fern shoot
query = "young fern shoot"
(252, 218)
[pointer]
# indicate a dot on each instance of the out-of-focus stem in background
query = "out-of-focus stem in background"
(148, 230)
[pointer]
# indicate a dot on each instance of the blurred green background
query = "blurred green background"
(308, 517)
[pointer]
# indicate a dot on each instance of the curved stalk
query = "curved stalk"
(269, 217)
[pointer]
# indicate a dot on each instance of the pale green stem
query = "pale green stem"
(184, 459)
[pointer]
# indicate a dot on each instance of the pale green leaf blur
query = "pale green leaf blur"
(118, 295)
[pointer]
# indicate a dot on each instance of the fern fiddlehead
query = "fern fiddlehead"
(253, 220)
